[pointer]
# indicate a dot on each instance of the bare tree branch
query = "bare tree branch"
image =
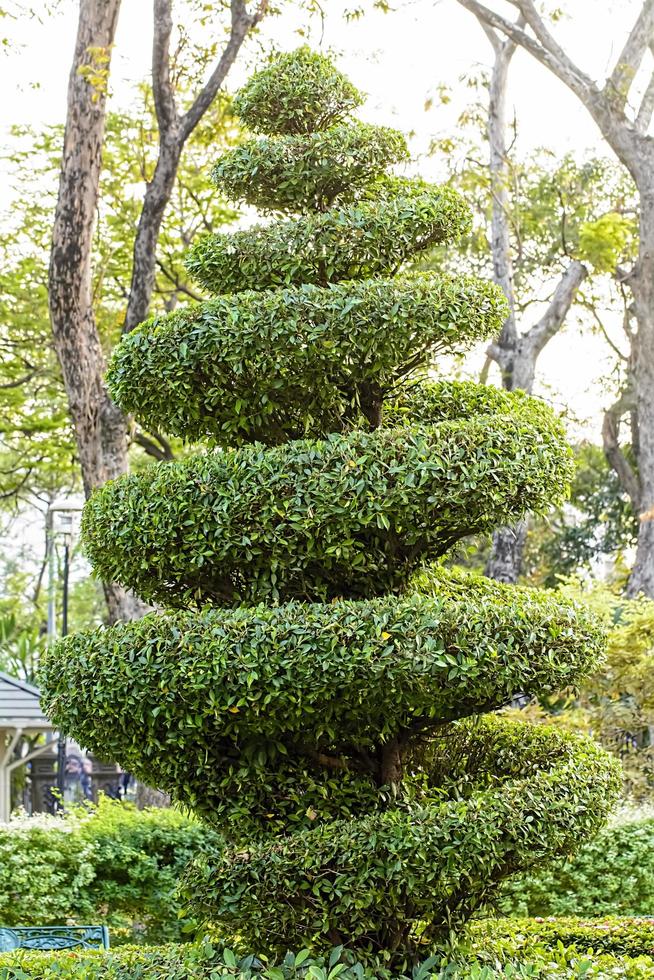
(242, 24)
(559, 306)
(646, 108)
(499, 171)
(164, 96)
(174, 131)
(548, 55)
(630, 58)
(611, 441)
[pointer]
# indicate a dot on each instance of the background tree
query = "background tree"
(310, 697)
(626, 131)
(100, 429)
(556, 214)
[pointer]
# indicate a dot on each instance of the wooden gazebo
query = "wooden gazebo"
(21, 719)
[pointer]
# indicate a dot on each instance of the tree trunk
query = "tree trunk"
(642, 288)
(628, 137)
(515, 353)
(156, 199)
(100, 428)
(505, 562)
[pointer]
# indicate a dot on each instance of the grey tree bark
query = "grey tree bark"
(174, 131)
(101, 430)
(515, 351)
(627, 133)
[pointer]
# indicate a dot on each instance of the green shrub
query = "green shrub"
(308, 172)
(300, 92)
(335, 737)
(613, 874)
(113, 865)
(502, 955)
(352, 514)
(612, 935)
(373, 236)
(362, 670)
(269, 366)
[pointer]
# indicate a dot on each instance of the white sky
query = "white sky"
(398, 59)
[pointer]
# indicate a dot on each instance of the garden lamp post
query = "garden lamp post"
(62, 522)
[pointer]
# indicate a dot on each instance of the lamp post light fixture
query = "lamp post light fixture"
(62, 526)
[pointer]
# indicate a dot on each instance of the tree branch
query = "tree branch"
(559, 306)
(499, 171)
(646, 108)
(549, 54)
(630, 58)
(611, 442)
(242, 24)
(164, 96)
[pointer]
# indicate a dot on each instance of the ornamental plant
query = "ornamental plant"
(322, 690)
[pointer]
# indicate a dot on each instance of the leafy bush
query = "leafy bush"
(352, 514)
(364, 670)
(114, 865)
(395, 219)
(334, 738)
(613, 874)
(270, 366)
(300, 92)
(308, 171)
(533, 951)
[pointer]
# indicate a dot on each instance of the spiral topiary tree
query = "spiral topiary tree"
(318, 693)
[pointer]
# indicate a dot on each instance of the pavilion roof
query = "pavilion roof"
(20, 705)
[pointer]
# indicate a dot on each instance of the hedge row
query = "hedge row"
(308, 172)
(395, 219)
(613, 874)
(208, 690)
(115, 865)
(533, 950)
(353, 514)
(281, 364)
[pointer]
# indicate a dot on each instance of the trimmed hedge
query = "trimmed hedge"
(308, 172)
(350, 515)
(374, 236)
(299, 92)
(532, 951)
(327, 742)
(270, 366)
(612, 935)
(613, 874)
(528, 793)
(206, 690)
(113, 865)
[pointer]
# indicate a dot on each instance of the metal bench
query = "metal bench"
(53, 937)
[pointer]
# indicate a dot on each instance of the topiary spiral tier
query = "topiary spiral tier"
(317, 692)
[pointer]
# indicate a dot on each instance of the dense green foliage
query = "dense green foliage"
(611, 875)
(308, 172)
(352, 514)
(394, 219)
(299, 92)
(114, 865)
(271, 366)
(334, 736)
(423, 857)
(249, 693)
(614, 949)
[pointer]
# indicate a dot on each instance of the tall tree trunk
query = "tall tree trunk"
(100, 428)
(642, 288)
(515, 353)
